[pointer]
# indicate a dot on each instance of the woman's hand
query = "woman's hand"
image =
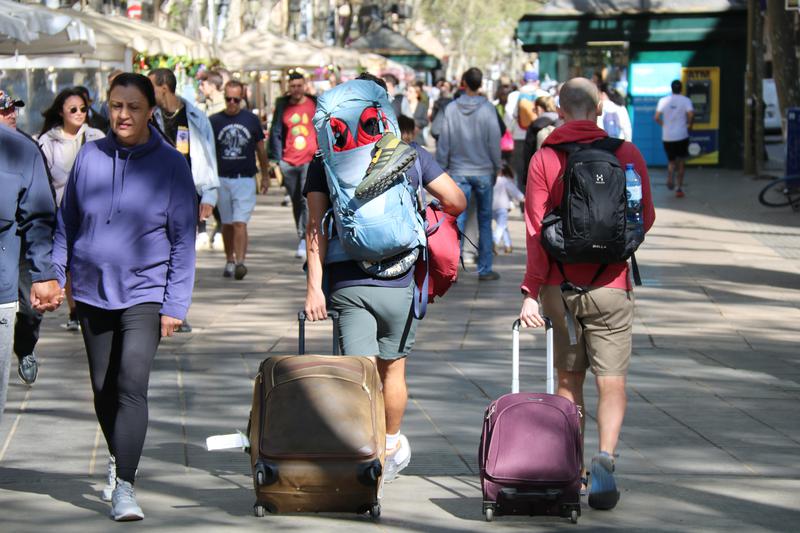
(169, 325)
(315, 305)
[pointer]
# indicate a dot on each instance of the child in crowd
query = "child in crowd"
(504, 194)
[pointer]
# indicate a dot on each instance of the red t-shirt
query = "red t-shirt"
(300, 139)
(544, 191)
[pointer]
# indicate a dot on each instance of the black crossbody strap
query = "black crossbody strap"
(637, 278)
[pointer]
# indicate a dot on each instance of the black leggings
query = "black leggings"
(121, 346)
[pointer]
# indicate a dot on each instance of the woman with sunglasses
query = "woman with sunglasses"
(126, 232)
(64, 132)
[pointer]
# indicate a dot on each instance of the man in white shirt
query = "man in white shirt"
(675, 113)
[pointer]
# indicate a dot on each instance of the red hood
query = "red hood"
(580, 131)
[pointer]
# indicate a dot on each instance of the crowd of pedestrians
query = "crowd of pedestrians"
(151, 168)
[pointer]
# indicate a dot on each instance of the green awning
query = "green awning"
(418, 62)
(542, 33)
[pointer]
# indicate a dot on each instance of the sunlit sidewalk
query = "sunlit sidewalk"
(710, 442)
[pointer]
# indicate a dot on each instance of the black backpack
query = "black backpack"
(590, 225)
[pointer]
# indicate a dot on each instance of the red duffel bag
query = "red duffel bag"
(438, 266)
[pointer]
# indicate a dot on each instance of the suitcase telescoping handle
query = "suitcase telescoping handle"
(301, 339)
(551, 382)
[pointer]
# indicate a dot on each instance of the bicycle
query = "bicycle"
(782, 192)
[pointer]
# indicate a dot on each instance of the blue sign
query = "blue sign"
(653, 79)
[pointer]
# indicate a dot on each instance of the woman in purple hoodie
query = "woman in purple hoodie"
(125, 233)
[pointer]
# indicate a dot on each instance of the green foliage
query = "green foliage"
(144, 63)
(479, 30)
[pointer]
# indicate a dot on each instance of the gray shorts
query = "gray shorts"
(376, 321)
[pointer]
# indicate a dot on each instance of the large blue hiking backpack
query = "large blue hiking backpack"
(383, 234)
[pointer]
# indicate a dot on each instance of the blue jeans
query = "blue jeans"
(482, 186)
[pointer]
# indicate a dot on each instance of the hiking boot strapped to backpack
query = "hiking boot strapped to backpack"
(377, 231)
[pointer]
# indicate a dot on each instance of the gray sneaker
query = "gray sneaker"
(111, 479)
(123, 503)
(397, 461)
(28, 369)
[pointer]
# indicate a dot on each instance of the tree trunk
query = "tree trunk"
(783, 38)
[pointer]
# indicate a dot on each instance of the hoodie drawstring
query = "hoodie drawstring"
(114, 185)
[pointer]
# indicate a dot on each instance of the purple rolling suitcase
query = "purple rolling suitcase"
(531, 451)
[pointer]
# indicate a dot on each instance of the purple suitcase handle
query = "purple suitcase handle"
(551, 383)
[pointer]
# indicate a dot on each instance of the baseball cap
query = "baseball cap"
(6, 102)
(530, 76)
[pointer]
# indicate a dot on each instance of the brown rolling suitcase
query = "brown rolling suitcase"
(317, 433)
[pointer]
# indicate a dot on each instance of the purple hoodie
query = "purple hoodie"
(126, 226)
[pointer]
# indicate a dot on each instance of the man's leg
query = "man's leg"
(610, 411)
(228, 239)
(606, 317)
(395, 392)
(670, 174)
(681, 164)
(6, 346)
(292, 180)
(26, 329)
(225, 204)
(302, 220)
(461, 221)
(570, 386)
(239, 241)
(483, 195)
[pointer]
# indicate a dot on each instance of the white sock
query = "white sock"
(392, 441)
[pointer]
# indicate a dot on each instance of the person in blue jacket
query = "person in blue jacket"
(27, 213)
(126, 234)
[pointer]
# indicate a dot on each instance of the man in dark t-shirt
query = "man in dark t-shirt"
(239, 139)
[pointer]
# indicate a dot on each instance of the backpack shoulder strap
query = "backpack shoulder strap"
(609, 144)
(568, 148)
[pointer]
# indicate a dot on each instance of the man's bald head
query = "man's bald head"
(578, 99)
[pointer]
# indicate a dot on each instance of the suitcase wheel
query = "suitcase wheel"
(488, 514)
(265, 474)
(375, 511)
(259, 510)
(370, 473)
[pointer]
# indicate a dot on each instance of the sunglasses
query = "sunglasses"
(73, 110)
(233, 99)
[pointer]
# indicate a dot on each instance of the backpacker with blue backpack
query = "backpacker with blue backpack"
(384, 234)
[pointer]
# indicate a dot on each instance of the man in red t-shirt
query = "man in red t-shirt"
(603, 315)
(293, 143)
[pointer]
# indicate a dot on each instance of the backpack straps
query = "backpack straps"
(568, 148)
(421, 293)
(609, 144)
(637, 278)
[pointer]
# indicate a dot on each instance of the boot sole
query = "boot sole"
(375, 186)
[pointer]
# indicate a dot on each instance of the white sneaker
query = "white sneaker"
(218, 245)
(230, 268)
(202, 242)
(397, 460)
(123, 503)
(111, 479)
(301, 250)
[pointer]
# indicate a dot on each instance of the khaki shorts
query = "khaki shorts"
(603, 319)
